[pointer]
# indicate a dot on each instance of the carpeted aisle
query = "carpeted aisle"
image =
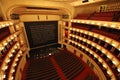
(61, 74)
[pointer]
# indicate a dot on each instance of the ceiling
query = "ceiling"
(64, 0)
(75, 3)
(40, 10)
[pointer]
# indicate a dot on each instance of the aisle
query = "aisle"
(61, 74)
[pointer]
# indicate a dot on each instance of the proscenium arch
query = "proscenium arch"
(62, 6)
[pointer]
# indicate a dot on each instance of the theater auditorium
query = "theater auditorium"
(59, 39)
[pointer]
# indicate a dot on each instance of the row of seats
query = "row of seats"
(41, 69)
(95, 59)
(6, 49)
(70, 65)
(102, 16)
(109, 32)
(112, 7)
(4, 32)
(116, 52)
(102, 43)
(90, 77)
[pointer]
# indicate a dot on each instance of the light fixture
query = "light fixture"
(12, 37)
(12, 78)
(4, 76)
(7, 24)
(100, 60)
(118, 69)
(81, 31)
(15, 35)
(50, 54)
(104, 66)
(113, 26)
(3, 25)
(11, 23)
(92, 22)
(16, 59)
(7, 61)
(105, 24)
(18, 55)
(14, 65)
(5, 43)
(13, 51)
(77, 30)
(99, 23)
(13, 70)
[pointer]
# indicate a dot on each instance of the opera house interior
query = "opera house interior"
(59, 39)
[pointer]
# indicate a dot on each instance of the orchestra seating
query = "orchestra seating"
(70, 65)
(41, 69)
(44, 69)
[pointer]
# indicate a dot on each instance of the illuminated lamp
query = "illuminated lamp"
(4, 76)
(81, 31)
(113, 26)
(13, 70)
(87, 22)
(18, 55)
(91, 52)
(7, 61)
(5, 43)
(13, 51)
(3, 25)
(92, 22)
(14, 65)
(104, 66)
(70, 28)
(50, 54)
(11, 23)
(78, 21)
(11, 37)
(88, 42)
(95, 56)
(12, 78)
(15, 35)
(77, 30)
(6, 67)
(7, 24)
(83, 47)
(98, 23)
(10, 55)
(100, 60)
(8, 39)
(118, 69)
(105, 24)
(87, 49)
(82, 21)
(98, 47)
(16, 59)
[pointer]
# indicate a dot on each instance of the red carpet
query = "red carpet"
(58, 68)
(81, 76)
(24, 71)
